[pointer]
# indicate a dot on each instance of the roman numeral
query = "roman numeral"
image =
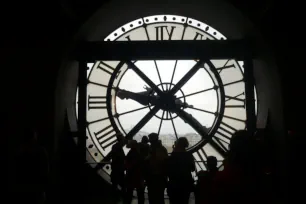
(106, 68)
(219, 143)
(160, 32)
(198, 36)
(106, 136)
(96, 102)
(235, 98)
(223, 136)
(225, 132)
(200, 161)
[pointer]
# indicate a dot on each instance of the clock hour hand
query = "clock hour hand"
(180, 103)
(143, 97)
(194, 123)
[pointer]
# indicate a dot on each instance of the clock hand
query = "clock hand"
(194, 123)
(141, 97)
(180, 103)
(202, 130)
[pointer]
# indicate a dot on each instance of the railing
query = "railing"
(197, 162)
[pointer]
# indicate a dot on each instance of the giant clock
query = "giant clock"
(202, 100)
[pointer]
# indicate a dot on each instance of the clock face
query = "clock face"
(203, 101)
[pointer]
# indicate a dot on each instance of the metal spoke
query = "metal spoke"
(173, 72)
(202, 110)
(161, 122)
(159, 75)
(186, 78)
(131, 111)
(173, 126)
(95, 121)
(117, 115)
(198, 92)
(144, 77)
(174, 69)
(142, 122)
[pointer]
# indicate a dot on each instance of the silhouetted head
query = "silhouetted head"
(145, 140)
(153, 137)
(211, 163)
(182, 142)
(132, 144)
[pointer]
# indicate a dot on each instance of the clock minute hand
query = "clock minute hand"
(141, 97)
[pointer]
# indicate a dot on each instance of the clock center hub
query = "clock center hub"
(169, 102)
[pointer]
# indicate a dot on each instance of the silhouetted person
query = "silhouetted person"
(156, 167)
(180, 167)
(32, 169)
(212, 165)
(118, 166)
(262, 158)
(144, 147)
(134, 172)
(204, 185)
(235, 182)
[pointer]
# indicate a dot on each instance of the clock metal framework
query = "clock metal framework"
(138, 50)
